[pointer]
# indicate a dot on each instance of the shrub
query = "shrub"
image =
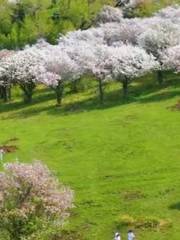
(31, 201)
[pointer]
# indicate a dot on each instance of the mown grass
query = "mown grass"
(121, 158)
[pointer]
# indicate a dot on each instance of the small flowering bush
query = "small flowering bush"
(32, 201)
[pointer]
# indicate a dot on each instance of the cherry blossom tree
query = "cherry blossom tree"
(158, 38)
(171, 59)
(109, 14)
(23, 69)
(5, 87)
(92, 36)
(129, 62)
(125, 32)
(101, 68)
(170, 12)
(31, 199)
(91, 60)
(58, 68)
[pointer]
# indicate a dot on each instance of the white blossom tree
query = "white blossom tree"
(57, 68)
(127, 31)
(109, 14)
(23, 69)
(92, 60)
(91, 35)
(171, 59)
(5, 86)
(158, 38)
(170, 12)
(129, 62)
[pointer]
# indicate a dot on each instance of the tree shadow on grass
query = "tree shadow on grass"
(175, 206)
(139, 93)
(45, 95)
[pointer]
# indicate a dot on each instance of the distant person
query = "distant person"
(131, 235)
(1, 154)
(117, 236)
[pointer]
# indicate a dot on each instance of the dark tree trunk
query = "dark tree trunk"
(28, 90)
(101, 91)
(59, 93)
(1, 92)
(9, 93)
(5, 93)
(74, 86)
(160, 77)
(125, 87)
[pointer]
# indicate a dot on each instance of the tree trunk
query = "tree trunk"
(5, 93)
(101, 91)
(1, 92)
(160, 77)
(74, 88)
(125, 87)
(9, 93)
(59, 93)
(28, 89)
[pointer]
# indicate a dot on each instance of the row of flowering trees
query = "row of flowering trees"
(115, 49)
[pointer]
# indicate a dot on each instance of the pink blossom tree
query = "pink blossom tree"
(31, 199)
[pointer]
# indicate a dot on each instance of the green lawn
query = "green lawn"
(120, 158)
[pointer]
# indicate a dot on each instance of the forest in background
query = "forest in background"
(25, 21)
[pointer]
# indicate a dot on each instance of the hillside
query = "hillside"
(121, 158)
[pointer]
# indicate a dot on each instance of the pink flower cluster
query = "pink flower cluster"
(31, 189)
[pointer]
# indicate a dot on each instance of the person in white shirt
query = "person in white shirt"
(1, 154)
(131, 235)
(117, 236)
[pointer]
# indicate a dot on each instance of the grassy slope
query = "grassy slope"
(102, 152)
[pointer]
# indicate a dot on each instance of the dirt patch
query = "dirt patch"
(67, 235)
(9, 148)
(132, 195)
(143, 222)
(176, 107)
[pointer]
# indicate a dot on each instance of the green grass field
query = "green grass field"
(122, 158)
